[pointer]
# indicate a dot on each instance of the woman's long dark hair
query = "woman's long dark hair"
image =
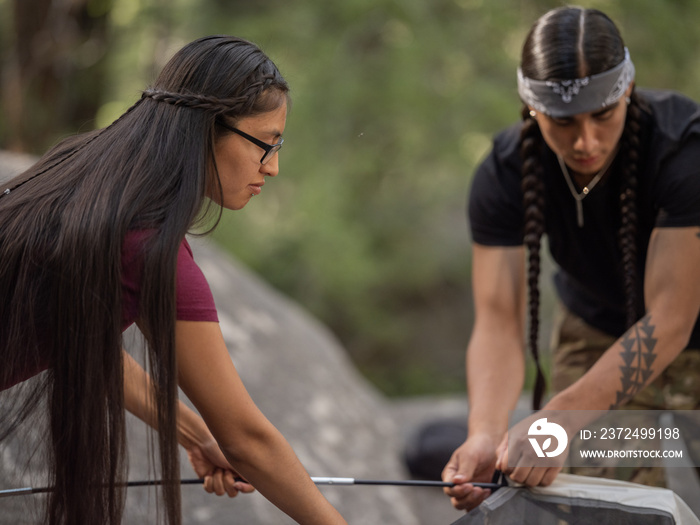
(568, 43)
(63, 225)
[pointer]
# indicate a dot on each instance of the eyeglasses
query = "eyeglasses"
(270, 149)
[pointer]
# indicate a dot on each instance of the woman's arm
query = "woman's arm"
(204, 454)
(249, 441)
(495, 367)
(672, 296)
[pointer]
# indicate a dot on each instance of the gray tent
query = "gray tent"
(580, 500)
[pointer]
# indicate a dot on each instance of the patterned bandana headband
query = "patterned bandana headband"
(564, 98)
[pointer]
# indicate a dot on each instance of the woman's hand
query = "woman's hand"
(193, 435)
(219, 477)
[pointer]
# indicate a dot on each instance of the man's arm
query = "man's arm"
(495, 367)
(672, 296)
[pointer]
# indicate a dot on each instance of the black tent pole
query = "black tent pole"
(318, 480)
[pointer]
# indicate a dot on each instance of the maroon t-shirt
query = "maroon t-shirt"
(194, 298)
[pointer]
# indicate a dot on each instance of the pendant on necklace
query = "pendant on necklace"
(579, 206)
(579, 213)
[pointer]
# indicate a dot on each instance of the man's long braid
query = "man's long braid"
(627, 234)
(533, 206)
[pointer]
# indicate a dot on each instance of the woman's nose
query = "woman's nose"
(271, 168)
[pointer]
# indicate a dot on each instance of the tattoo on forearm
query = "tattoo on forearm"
(638, 354)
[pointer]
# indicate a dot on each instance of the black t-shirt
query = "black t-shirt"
(589, 276)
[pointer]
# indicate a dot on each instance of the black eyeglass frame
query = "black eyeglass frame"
(270, 149)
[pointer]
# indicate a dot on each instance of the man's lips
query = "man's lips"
(587, 161)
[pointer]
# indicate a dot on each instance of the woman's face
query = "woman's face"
(587, 140)
(238, 160)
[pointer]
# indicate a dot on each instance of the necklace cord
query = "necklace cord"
(578, 197)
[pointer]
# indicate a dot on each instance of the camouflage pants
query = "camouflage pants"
(576, 346)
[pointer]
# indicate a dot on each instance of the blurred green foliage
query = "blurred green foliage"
(394, 103)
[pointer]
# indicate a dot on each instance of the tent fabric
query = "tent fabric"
(582, 500)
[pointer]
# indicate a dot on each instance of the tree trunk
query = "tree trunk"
(52, 78)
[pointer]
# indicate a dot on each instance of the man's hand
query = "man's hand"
(522, 456)
(474, 460)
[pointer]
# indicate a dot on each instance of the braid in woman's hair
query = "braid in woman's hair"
(627, 234)
(240, 105)
(204, 102)
(533, 206)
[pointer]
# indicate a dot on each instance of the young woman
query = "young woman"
(93, 240)
(611, 175)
